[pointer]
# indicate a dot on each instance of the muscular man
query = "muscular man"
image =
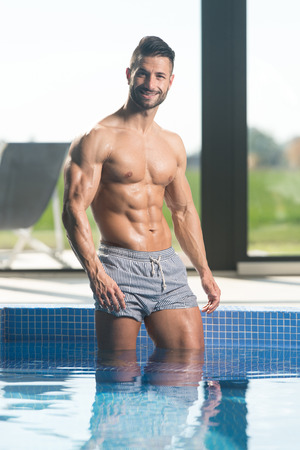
(125, 167)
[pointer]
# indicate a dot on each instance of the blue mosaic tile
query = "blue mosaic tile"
(223, 328)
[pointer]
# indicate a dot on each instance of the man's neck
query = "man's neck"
(140, 119)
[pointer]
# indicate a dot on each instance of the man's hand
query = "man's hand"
(108, 292)
(213, 292)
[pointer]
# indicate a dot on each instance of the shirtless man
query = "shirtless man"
(125, 167)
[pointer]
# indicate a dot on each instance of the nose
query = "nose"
(150, 82)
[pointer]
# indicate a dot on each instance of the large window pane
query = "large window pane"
(63, 69)
(273, 127)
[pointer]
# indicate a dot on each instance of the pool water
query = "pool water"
(62, 395)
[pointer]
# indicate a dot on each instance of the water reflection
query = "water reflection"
(165, 404)
(168, 400)
(227, 425)
(117, 367)
(174, 368)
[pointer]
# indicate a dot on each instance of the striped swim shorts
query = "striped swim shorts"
(151, 281)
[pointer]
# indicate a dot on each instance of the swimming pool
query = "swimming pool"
(55, 392)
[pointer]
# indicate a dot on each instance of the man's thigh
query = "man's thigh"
(116, 333)
(176, 328)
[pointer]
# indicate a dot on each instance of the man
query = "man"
(124, 168)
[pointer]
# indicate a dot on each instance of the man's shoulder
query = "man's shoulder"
(105, 128)
(95, 143)
(174, 141)
(102, 131)
(170, 136)
(110, 124)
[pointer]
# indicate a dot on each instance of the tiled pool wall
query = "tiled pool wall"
(226, 327)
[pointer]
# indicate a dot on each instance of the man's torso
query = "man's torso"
(128, 204)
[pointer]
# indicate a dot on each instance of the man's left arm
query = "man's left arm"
(188, 230)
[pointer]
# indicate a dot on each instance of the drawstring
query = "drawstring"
(157, 261)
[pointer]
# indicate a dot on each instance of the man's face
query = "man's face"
(150, 81)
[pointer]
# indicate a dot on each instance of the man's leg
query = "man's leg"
(116, 333)
(176, 328)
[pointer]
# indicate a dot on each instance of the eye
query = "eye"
(141, 73)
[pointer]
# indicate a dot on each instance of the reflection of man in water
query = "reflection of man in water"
(144, 409)
(174, 367)
(166, 404)
(125, 167)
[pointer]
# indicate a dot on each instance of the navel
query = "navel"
(128, 174)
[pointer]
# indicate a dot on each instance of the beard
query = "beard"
(155, 97)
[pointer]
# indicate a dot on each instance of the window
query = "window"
(273, 100)
(63, 69)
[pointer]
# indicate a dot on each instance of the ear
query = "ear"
(171, 80)
(128, 74)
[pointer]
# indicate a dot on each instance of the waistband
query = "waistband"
(106, 249)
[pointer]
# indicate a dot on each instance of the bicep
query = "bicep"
(82, 176)
(178, 194)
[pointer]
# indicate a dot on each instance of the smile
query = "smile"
(148, 93)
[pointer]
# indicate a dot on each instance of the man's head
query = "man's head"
(152, 46)
(150, 73)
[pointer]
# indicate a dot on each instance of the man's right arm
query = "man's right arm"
(82, 178)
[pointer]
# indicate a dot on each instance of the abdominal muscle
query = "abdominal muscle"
(132, 220)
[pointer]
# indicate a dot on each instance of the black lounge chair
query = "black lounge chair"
(28, 178)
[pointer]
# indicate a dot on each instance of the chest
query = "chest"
(151, 161)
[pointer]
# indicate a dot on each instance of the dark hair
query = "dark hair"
(152, 46)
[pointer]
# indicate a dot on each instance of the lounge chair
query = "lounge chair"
(28, 178)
